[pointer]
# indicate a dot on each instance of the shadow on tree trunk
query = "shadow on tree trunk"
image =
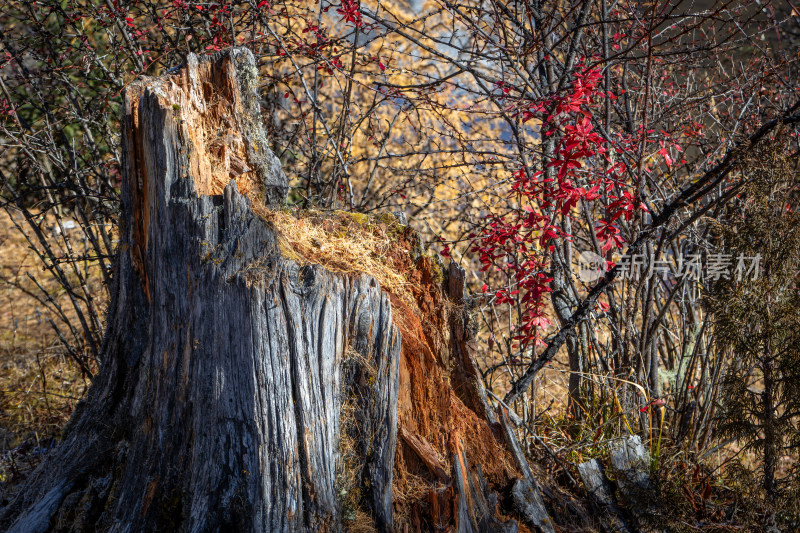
(233, 379)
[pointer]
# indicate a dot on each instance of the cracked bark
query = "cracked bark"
(226, 367)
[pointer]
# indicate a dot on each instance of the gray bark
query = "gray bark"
(525, 493)
(227, 369)
(630, 463)
(598, 486)
(225, 366)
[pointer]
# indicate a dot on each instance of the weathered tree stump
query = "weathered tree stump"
(630, 463)
(600, 489)
(226, 367)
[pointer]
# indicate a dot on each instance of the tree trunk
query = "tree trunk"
(769, 413)
(227, 368)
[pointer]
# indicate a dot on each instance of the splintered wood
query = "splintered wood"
(205, 104)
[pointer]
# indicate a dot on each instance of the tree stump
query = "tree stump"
(600, 489)
(226, 367)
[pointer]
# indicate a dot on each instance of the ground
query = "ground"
(39, 385)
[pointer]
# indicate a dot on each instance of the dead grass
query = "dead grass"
(362, 523)
(351, 462)
(39, 386)
(413, 489)
(348, 475)
(345, 242)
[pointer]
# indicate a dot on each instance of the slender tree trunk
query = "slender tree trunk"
(577, 346)
(770, 437)
(226, 367)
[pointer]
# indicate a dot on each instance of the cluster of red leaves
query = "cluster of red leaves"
(5, 108)
(351, 13)
(520, 244)
(218, 20)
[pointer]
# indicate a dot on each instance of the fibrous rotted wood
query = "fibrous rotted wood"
(225, 366)
(475, 502)
(425, 451)
(442, 402)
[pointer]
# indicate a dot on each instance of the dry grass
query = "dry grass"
(345, 242)
(413, 489)
(39, 386)
(362, 523)
(351, 462)
(348, 475)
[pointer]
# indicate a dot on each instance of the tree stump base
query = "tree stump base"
(234, 381)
